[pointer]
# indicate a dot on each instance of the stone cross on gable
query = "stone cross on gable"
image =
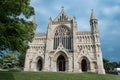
(62, 8)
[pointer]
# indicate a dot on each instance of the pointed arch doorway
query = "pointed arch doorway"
(61, 63)
(84, 65)
(39, 64)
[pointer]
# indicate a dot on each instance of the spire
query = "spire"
(93, 22)
(34, 20)
(92, 15)
(50, 20)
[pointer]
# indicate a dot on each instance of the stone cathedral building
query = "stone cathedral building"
(64, 48)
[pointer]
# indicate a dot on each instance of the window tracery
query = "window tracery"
(63, 35)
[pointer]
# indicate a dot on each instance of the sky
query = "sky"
(106, 11)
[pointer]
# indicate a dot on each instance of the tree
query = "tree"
(107, 65)
(115, 64)
(1, 63)
(110, 65)
(15, 31)
(10, 60)
(119, 64)
(21, 60)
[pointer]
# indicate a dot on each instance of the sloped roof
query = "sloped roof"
(62, 16)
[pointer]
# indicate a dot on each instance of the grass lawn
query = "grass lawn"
(55, 76)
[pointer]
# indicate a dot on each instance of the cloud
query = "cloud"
(108, 11)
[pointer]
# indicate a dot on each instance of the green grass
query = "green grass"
(55, 76)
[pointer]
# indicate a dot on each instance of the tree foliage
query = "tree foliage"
(107, 65)
(110, 65)
(21, 61)
(15, 31)
(10, 60)
(1, 63)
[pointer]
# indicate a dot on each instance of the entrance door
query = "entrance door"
(84, 65)
(61, 63)
(39, 64)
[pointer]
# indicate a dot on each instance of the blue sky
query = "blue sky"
(107, 12)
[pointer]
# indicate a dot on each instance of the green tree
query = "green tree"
(119, 64)
(10, 60)
(1, 63)
(108, 65)
(115, 64)
(15, 31)
(21, 60)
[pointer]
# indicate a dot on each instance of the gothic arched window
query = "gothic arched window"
(62, 35)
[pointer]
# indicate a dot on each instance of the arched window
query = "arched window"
(62, 35)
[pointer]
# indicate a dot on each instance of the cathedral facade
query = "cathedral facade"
(63, 48)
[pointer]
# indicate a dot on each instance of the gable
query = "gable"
(62, 17)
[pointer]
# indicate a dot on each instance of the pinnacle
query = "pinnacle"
(34, 20)
(92, 15)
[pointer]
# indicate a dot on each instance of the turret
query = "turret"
(93, 22)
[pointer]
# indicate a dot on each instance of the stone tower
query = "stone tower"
(63, 48)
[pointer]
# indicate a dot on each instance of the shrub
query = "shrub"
(14, 69)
